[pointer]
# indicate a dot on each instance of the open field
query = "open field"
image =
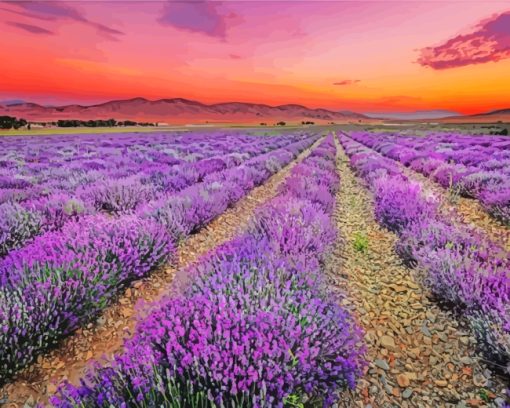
(253, 129)
(73, 131)
(306, 266)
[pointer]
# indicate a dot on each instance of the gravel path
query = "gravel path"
(420, 356)
(100, 340)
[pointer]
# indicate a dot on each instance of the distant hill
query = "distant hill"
(178, 110)
(11, 102)
(500, 115)
(496, 112)
(415, 115)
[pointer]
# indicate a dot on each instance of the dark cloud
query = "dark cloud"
(30, 28)
(56, 10)
(197, 16)
(490, 41)
(347, 82)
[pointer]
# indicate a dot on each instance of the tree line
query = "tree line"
(11, 122)
(101, 123)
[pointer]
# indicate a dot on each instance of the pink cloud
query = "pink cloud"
(57, 10)
(346, 82)
(30, 28)
(199, 16)
(490, 41)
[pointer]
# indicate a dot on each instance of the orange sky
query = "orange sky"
(364, 56)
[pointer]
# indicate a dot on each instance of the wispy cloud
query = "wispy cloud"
(33, 29)
(346, 82)
(489, 41)
(199, 16)
(57, 10)
(398, 99)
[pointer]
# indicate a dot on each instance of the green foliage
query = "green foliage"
(360, 242)
(293, 400)
(484, 395)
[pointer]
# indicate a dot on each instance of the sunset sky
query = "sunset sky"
(363, 56)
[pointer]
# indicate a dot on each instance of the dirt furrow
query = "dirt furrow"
(419, 355)
(101, 339)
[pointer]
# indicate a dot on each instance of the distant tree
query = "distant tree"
(263, 124)
(281, 123)
(6, 122)
(68, 123)
(10, 122)
(501, 132)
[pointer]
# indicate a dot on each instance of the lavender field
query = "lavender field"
(227, 269)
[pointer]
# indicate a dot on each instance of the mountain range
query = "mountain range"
(500, 115)
(415, 115)
(181, 111)
(178, 110)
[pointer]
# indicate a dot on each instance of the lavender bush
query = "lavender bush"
(251, 324)
(66, 276)
(399, 203)
(17, 226)
(62, 279)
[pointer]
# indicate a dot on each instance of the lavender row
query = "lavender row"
(19, 222)
(35, 167)
(462, 268)
(31, 161)
(251, 324)
(65, 278)
(475, 167)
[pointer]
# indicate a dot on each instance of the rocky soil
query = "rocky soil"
(419, 355)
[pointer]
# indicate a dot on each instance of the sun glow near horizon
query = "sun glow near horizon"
(362, 56)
